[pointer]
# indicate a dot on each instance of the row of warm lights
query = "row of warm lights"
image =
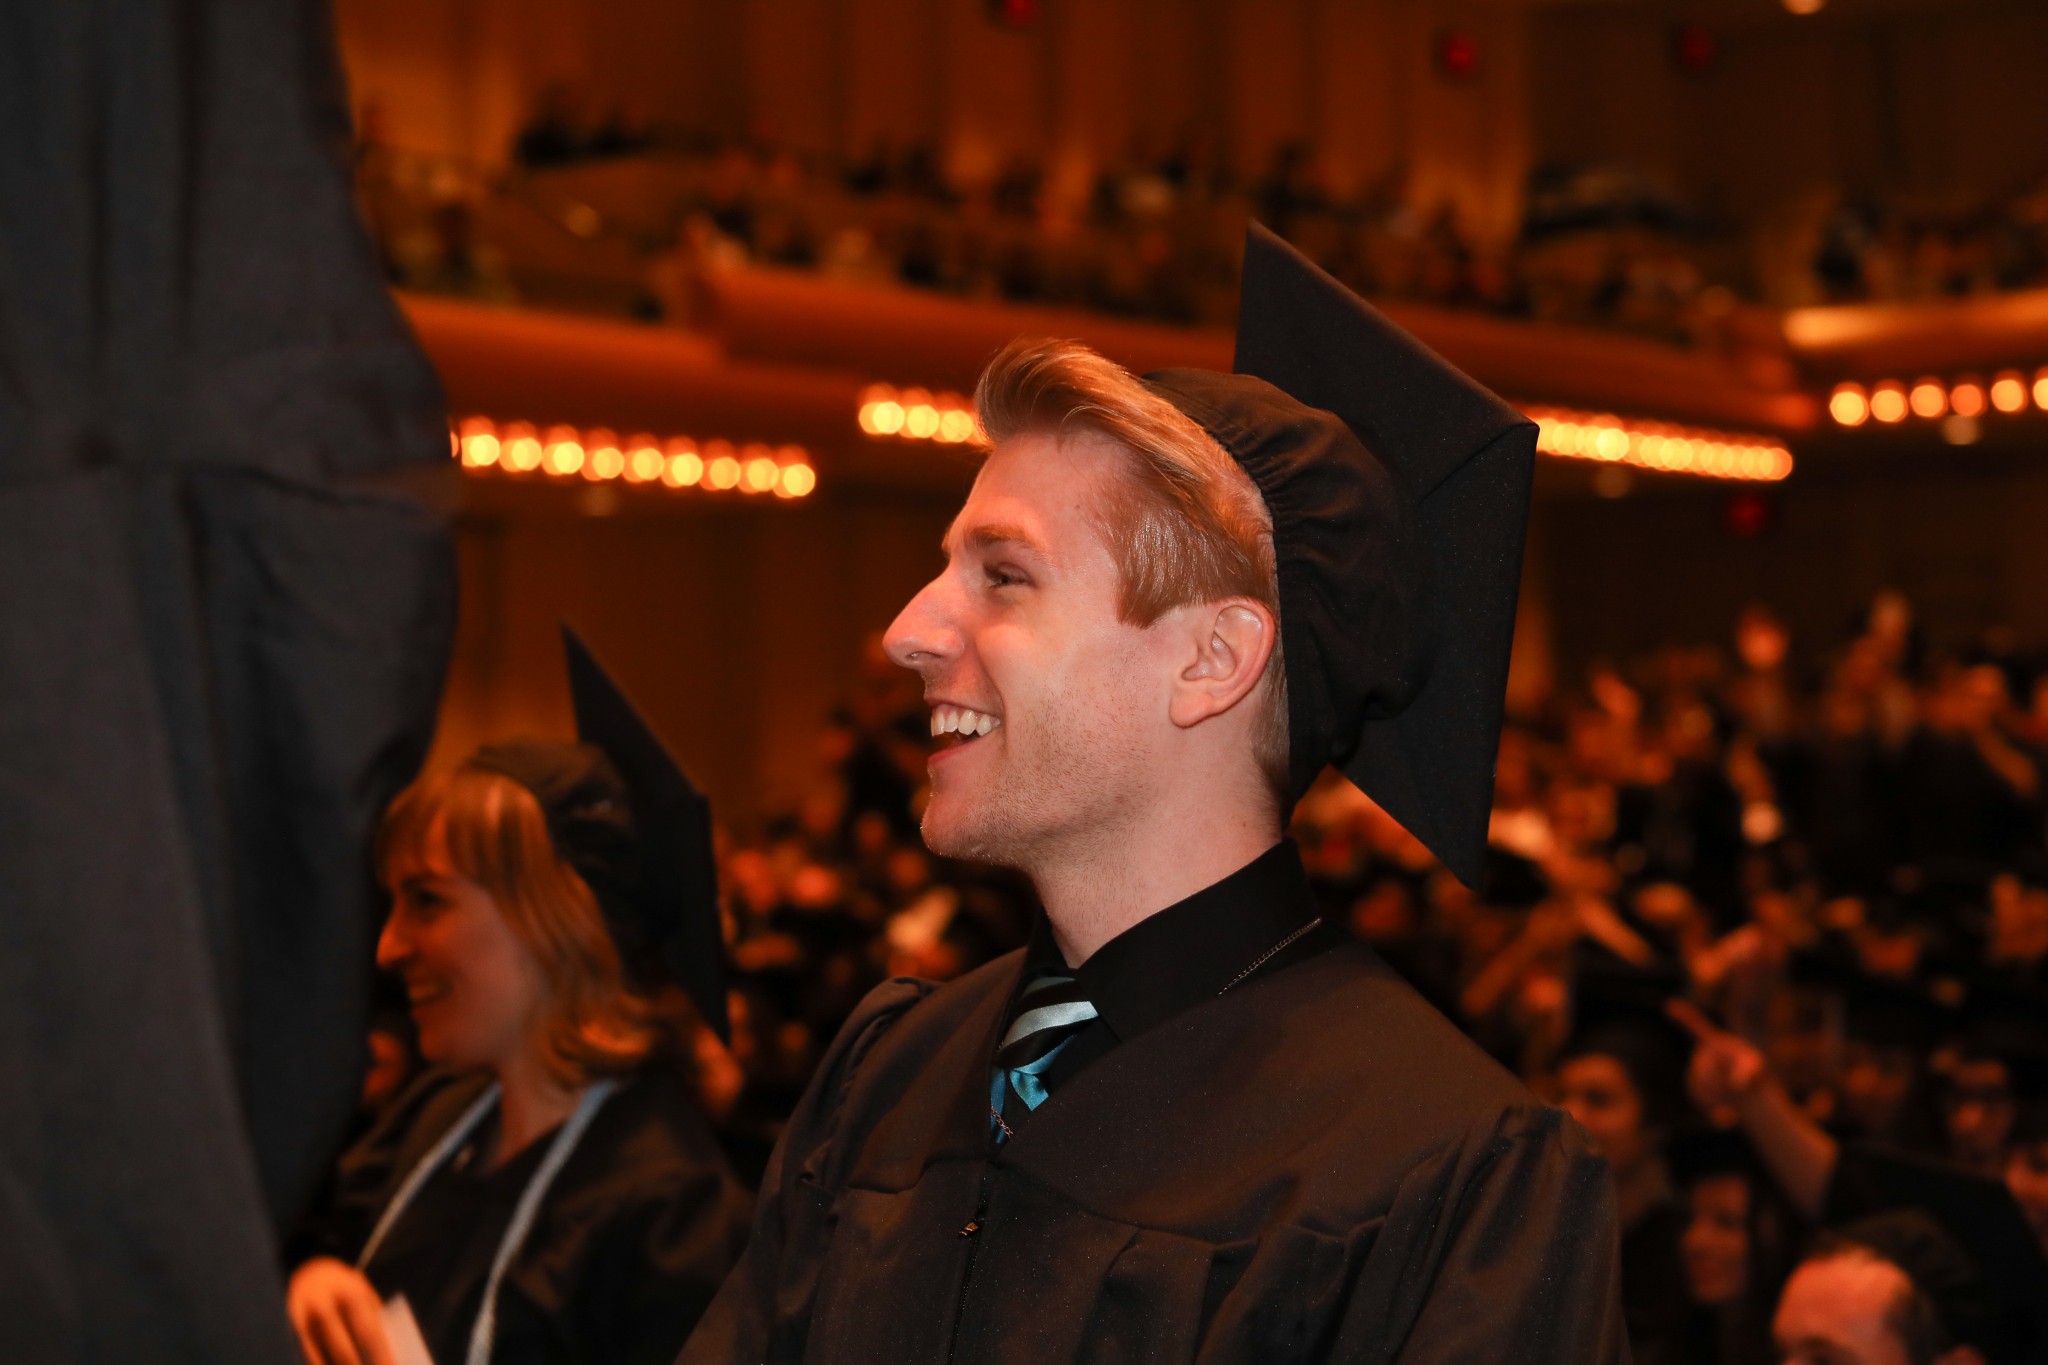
(1654, 445)
(919, 415)
(599, 455)
(1891, 402)
(916, 414)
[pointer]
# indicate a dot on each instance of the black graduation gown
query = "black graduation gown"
(1313, 1166)
(632, 1240)
(225, 634)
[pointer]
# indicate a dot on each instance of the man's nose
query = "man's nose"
(923, 633)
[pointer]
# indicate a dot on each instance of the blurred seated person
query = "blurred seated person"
(449, 254)
(1978, 1106)
(1618, 1078)
(1893, 1289)
(1734, 1250)
(1826, 1179)
(552, 1190)
(2026, 1167)
(560, 130)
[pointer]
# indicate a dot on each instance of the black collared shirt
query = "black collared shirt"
(1257, 920)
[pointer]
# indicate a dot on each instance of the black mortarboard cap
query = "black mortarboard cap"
(1698, 1153)
(1977, 1214)
(624, 815)
(1399, 492)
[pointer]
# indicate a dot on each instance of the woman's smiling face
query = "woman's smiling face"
(474, 990)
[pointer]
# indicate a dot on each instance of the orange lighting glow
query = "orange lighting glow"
(1850, 405)
(685, 469)
(1965, 399)
(1660, 446)
(1929, 399)
(760, 472)
(480, 450)
(2009, 393)
(916, 415)
(598, 455)
(643, 462)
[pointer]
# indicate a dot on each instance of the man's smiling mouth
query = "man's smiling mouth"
(963, 724)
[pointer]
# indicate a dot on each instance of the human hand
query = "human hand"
(336, 1312)
(1724, 1069)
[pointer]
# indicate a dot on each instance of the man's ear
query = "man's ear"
(1229, 643)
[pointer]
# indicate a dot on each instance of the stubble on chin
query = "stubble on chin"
(1063, 788)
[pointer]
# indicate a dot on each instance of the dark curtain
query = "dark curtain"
(222, 632)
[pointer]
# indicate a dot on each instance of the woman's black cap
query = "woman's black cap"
(624, 815)
(1399, 493)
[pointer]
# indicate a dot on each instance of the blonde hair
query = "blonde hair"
(1184, 522)
(497, 837)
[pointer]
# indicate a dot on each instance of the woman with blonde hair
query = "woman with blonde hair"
(551, 1190)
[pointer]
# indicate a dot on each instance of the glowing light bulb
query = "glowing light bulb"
(683, 470)
(1888, 402)
(1849, 405)
(2009, 392)
(644, 464)
(1929, 399)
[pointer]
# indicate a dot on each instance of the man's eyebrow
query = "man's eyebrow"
(989, 535)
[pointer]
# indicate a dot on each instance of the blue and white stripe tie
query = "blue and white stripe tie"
(1050, 1012)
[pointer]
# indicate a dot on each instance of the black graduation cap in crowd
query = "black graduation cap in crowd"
(1399, 492)
(627, 819)
(1699, 1153)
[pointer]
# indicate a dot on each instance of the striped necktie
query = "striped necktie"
(1050, 1011)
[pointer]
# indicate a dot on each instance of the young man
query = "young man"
(1890, 1290)
(1191, 1121)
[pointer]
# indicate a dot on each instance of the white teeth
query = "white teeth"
(948, 719)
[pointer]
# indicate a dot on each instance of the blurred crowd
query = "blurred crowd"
(1769, 917)
(1773, 924)
(1871, 249)
(609, 212)
(1832, 861)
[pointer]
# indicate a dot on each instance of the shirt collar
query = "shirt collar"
(1194, 949)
